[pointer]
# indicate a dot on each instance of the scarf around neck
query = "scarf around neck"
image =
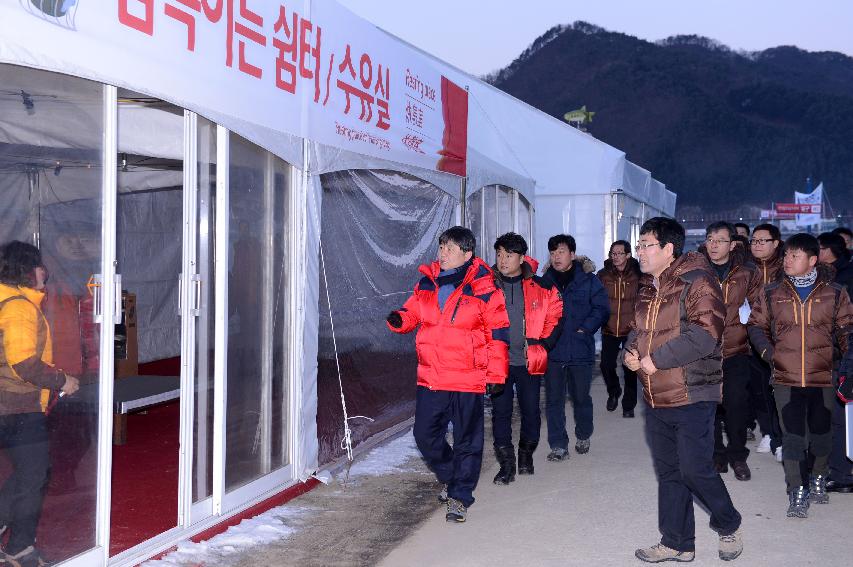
(807, 280)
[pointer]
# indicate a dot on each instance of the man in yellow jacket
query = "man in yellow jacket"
(28, 379)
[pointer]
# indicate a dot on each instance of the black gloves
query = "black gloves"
(494, 390)
(394, 319)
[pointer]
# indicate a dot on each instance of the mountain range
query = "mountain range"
(726, 130)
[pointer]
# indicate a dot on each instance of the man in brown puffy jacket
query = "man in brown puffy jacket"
(621, 279)
(675, 347)
(803, 313)
(739, 280)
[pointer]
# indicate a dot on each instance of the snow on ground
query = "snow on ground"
(388, 458)
(272, 525)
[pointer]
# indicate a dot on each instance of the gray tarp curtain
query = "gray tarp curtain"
(378, 226)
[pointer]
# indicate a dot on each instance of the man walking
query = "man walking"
(739, 281)
(796, 326)
(675, 347)
(462, 352)
(585, 309)
(621, 279)
(535, 312)
(833, 251)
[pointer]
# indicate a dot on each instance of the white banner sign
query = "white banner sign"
(326, 75)
(813, 198)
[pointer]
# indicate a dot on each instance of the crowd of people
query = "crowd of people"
(746, 333)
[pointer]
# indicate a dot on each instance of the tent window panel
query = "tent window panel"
(523, 221)
(490, 225)
(257, 343)
(50, 179)
(378, 226)
(505, 221)
(474, 215)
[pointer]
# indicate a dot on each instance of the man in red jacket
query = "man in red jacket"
(462, 352)
(535, 311)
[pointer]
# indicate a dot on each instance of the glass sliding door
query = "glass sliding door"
(51, 165)
(257, 392)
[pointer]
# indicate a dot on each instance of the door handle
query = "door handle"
(117, 308)
(196, 306)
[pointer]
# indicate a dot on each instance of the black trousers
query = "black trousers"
(459, 466)
(763, 402)
(840, 467)
(24, 438)
(736, 378)
(807, 426)
(527, 387)
(682, 443)
(610, 347)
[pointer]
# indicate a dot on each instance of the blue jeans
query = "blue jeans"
(576, 379)
(682, 443)
(527, 388)
(459, 466)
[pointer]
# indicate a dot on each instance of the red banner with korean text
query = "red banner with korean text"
(797, 208)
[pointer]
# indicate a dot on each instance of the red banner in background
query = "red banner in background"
(797, 208)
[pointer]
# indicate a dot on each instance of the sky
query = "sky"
(480, 36)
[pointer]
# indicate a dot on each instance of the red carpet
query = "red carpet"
(145, 478)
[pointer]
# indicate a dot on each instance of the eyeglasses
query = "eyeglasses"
(618, 253)
(761, 240)
(642, 247)
(716, 242)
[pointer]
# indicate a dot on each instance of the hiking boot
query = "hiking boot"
(456, 511)
(28, 557)
(442, 496)
(558, 454)
(817, 489)
(741, 470)
(763, 445)
(525, 456)
(659, 552)
(731, 546)
(506, 459)
(582, 446)
(798, 503)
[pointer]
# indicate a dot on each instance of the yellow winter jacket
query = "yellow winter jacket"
(27, 374)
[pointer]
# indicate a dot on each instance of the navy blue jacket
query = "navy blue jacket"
(585, 307)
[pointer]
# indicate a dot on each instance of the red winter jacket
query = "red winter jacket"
(466, 345)
(543, 315)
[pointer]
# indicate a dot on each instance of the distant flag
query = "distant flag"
(813, 198)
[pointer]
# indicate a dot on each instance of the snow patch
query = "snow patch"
(262, 529)
(386, 459)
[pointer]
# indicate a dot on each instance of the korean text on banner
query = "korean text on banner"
(386, 100)
(813, 198)
(304, 68)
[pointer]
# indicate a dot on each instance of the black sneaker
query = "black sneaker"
(442, 496)
(28, 557)
(582, 446)
(817, 489)
(456, 511)
(628, 413)
(558, 454)
(798, 503)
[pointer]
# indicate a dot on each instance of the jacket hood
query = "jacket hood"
(685, 263)
(633, 265)
(7, 291)
(528, 269)
(432, 270)
(825, 273)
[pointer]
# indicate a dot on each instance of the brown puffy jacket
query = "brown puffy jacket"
(743, 282)
(679, 322)
(622, 287)
(784, 328)
(771, 269)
